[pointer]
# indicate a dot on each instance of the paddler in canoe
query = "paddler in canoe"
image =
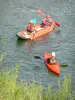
(34, 30)
(52, 60)
(30, 26)
(47, 21)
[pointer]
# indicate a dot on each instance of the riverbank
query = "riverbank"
(11, 88)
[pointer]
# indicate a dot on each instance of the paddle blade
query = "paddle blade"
(37, 57)
(40, 11)
(64, 65)
(57, 30)
(57, 24)
(34, 20)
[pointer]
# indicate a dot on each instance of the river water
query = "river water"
(15, 15)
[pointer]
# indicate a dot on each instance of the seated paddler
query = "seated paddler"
(47, 21)
(52, 60)
(30, 26)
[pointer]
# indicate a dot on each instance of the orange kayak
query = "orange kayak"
(39, 31)
(55, 68)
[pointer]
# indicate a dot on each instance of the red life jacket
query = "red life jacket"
(29, 27)
(45, 21)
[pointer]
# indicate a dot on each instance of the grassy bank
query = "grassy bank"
(12, 89)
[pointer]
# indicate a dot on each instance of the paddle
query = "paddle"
(37, 57)
(42, 13)
(62, 65)
(56, 29)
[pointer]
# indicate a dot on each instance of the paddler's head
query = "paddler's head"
(31, 22)
(47, 16)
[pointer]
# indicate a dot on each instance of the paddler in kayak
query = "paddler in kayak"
(52, 60)
(47, 21)
(30, 26)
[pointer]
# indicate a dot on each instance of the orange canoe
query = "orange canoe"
(39, 31)
(55, 68)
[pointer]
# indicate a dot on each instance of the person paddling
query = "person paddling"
(47, 21)
(30, 26)
(53, 59)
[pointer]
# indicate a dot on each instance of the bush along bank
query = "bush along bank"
(12, 89)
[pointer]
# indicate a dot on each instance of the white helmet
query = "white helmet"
(53, 54)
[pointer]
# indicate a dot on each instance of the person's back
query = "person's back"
(30, 26)
(47, 21)
(44, 21)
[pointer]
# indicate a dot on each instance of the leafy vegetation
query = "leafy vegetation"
(12, 89)
(2, 56)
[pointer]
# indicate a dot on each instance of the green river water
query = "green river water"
(15, 15)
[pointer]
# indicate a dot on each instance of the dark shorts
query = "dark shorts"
(30, 30)
(42, 24)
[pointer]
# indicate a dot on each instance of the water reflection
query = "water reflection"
(42, 39)
(20, 42)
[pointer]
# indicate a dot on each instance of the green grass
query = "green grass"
(12, 89)
(3, 39)
(2, 56)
